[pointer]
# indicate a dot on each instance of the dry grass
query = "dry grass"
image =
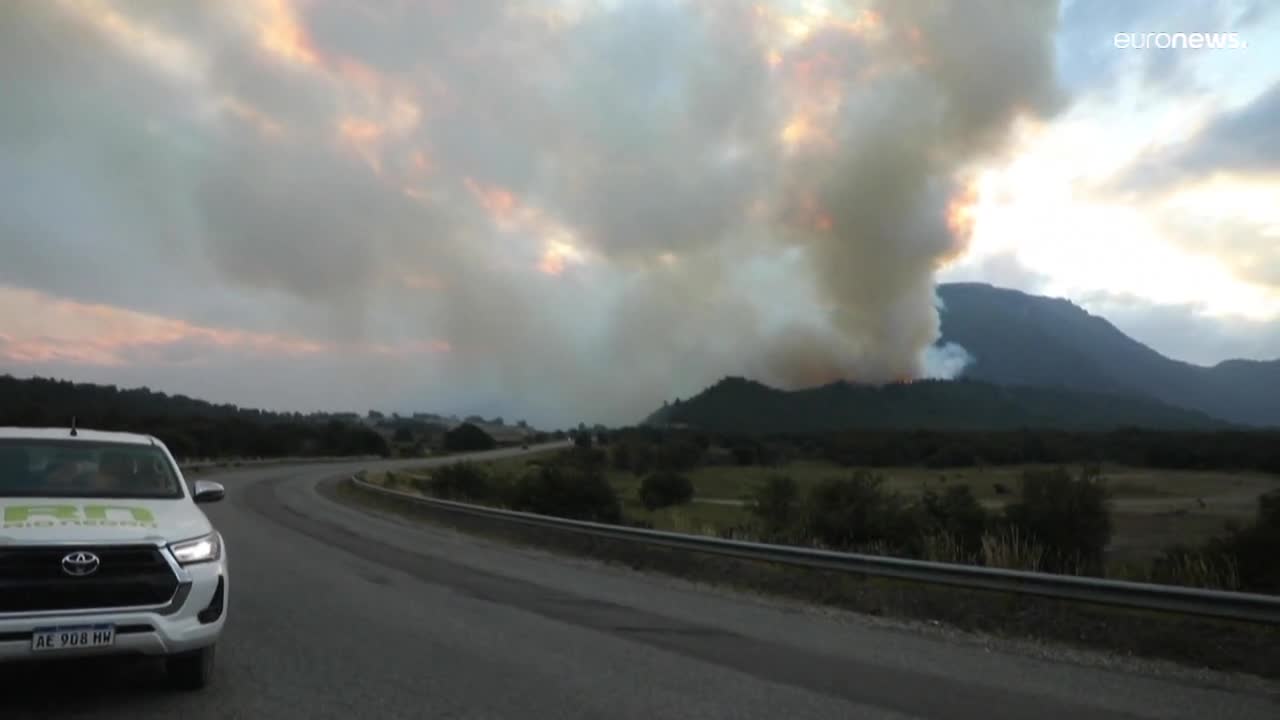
(1012, 550)
(1197, 569)
(1151, 509)
(945, 548)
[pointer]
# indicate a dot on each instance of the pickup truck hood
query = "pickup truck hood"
(32, 521)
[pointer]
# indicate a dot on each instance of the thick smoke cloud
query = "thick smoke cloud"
(596, 207)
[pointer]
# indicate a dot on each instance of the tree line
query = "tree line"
(643, 448)
(191, 428)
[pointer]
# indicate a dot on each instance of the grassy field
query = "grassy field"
(1151, 509)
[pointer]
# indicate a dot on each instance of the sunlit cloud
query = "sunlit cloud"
(281, 33)
(39, 329)
(167, 52)
(354, 180)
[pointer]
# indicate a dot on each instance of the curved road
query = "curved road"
(337, 613)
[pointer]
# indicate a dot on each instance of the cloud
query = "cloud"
(583, 202)
(1186, 331)
(1245, 141)
(1090, 62)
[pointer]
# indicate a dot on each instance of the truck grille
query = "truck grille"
(32, 579)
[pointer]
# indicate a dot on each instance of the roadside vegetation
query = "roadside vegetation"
(1082, 518)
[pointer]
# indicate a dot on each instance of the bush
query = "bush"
(856, 512)
(678, 455)
(642, 458)
(773, 503)
(1252, 551)
(665, 488)
(567, 491)
(951, 456)
(461, 481)
(955, 513)
(1067, 515)
(587, 458)
(621, 456)
(1269, 510)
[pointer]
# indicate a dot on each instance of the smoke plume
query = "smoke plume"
(596, 208)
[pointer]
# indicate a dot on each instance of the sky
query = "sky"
(573, 210)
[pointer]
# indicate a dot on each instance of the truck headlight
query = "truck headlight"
(197, 550)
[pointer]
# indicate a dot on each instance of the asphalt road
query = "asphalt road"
(336, 613)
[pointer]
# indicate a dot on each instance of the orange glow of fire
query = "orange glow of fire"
(808, 214)
(961, 214)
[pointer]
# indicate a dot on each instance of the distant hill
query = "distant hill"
(740, 405)
(190, 427)
(1021, 339)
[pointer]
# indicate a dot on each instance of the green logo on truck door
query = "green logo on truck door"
(33, 516)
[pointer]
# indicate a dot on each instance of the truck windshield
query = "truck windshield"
(50, 468)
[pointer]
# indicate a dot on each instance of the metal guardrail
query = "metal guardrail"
(1144, 596)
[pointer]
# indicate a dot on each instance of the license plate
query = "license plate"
(73, 637)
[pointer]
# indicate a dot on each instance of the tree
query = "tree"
(1068, 515)
(957, 513)
(665, 488)
(774, 504)
(567, 491)
(466, 438)
(403, 434)
(855, 511)
(461, 481)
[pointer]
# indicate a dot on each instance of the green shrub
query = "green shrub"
(1067, 515)
(621, 456)
(953, 455)
(857, 512)
(664, 489)
(955, 513)
(1253, 550)
(461, 481)
(567, 491)
(678, 455)
(773, 503)
(1269, 509)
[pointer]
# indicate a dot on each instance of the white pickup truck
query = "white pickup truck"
(104, 550)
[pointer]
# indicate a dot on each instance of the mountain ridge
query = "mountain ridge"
(736, 404)
(1036, 362)
(1020, 338)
